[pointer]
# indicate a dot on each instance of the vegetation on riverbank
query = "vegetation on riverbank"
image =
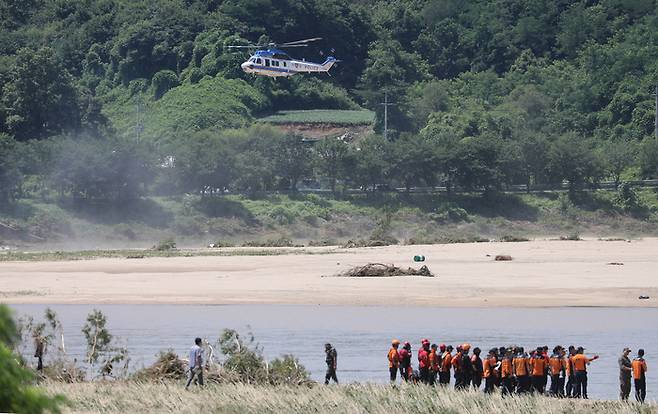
(121, 397)
(316, 220)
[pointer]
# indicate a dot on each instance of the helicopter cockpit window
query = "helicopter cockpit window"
(258, 61)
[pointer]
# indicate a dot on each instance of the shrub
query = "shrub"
(164, 81)
(575, 236)
(627, 199)
(508, 238)
(287, 370)
(166, 367)
(16, 395)
(280, 242)
(165, 245)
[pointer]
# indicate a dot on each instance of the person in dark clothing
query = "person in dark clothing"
(478, 369)
(424, 361)
(39, 350)
(571, 375)
(466, 367)
(332, 363)
(546, 357)
(405, 361)
(625, 370)
(639, 366)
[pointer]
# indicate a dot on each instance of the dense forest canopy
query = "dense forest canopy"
(115, 98)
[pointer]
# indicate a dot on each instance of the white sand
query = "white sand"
(543, 273)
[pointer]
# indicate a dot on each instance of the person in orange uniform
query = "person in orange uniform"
(580, 362)
(521, 365)
(538, 366)
(457, 367)
(434, 363)
(489, 371)
(446, 363)
(394, 359)
(507, 372)
(558, 367)
(639, 366)
(571, 379)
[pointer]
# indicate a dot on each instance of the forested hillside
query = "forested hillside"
(108, 101)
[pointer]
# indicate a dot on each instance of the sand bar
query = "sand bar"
(542, 273)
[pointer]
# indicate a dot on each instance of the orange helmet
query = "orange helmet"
(466, 347)
(395, 342)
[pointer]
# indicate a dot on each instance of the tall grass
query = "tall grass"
(124, 397)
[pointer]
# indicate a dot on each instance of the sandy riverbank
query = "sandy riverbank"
(543, 273)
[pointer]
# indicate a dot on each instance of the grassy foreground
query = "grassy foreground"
(114, 397)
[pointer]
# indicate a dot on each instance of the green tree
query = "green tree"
(293, 160)
(112, 170)
(412, 161)
(204, 164)
(100, 344)
(10, 176)
(163, 81)
(617, 155)
(39, 97)
(571, 159)
(333, 157)
(533, 152)
(478, 163)
(649, 157)
(16, 393)
(371, 165)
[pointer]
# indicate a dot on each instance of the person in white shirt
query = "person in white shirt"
(196, 364)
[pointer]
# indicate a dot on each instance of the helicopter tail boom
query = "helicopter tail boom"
(329, 63)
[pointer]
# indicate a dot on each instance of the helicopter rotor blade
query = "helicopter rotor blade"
(314, 39)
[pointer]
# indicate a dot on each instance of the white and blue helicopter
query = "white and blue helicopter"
(275, 62)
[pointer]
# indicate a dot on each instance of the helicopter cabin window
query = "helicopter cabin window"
(258, 61)
(267, 62)
(285, 65)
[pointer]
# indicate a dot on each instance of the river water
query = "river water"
(362, 334)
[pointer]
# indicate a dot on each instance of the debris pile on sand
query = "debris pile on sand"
(503, 258)
(384, 270)
(167, 367)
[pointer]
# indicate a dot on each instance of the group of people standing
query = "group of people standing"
(511, 369)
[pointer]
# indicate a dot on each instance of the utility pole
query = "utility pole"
(655, 118)
(386, 104)
(138, 119)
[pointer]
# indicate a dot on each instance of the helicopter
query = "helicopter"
(274, 62)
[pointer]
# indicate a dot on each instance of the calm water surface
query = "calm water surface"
(362, 334)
